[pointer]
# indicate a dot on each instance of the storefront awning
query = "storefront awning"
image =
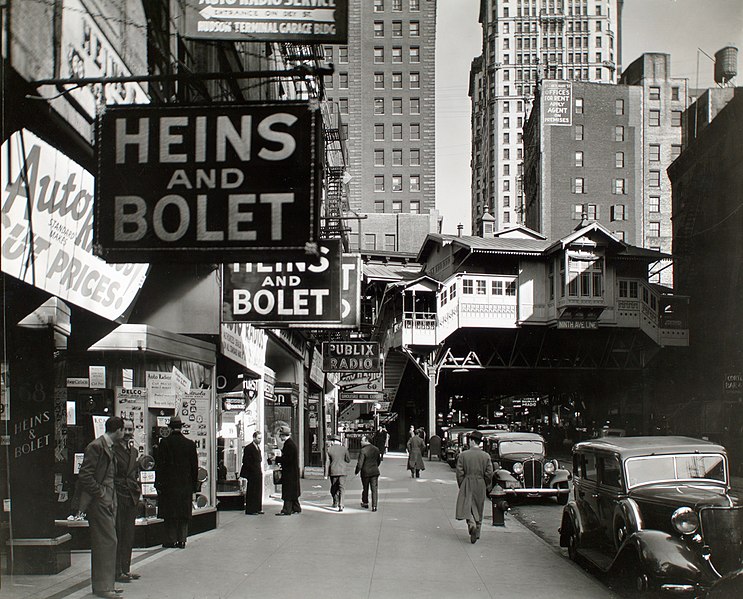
(148, 339)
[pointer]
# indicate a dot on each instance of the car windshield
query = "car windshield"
(533, 447)
(665, 468)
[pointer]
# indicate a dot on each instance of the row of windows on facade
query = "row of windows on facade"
(530, 10)
(654, 114)
(396, 207)
(397, 183)
(397, 5)
(414, 28)
(370, 242)
(414, 156)
(618, 184)
(654, 155)
(556, 42)
(619, 134)
(551, 27)
(415, 132)
(379, 106)
(414, 55)
(618, 212)
(414, 81)
(555, 58)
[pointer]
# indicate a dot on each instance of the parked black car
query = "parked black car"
(451, 444)
(654, 510)
(522, 469)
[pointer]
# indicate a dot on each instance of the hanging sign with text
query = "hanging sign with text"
(293, 287)
(557, 102)
(220, 180)
(297, 21)
(351, 356)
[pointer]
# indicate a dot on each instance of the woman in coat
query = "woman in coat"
(416, 447)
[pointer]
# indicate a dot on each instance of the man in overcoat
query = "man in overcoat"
(368, 466)
(335, 468)
(251, 471)
(97, 482)
(289, 462)
(128, 491)
(176, 472)
(474, 477)
(416, 447)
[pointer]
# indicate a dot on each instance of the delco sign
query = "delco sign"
(210, 181)
(351, 356)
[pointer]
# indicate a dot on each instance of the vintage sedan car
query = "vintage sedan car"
(521, 468)
(452, 443)
(655, 511)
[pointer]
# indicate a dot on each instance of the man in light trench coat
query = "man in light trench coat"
(474, 477)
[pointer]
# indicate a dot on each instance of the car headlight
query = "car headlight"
(549, 467)
(685, 520)
(518, 468)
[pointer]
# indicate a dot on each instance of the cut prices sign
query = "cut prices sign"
(47, 230)
(207, 183)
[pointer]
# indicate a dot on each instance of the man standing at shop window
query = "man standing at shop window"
(97, 480)
(251, 471)
(126, 482)
(289, 462)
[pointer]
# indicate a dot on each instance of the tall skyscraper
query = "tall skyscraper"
(525, 41)
(384, 85)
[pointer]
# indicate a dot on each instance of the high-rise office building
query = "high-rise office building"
(384, 85)
(525, 41)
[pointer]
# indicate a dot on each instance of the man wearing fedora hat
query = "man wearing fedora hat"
(289, 462)
(335, 467)
(176, 472)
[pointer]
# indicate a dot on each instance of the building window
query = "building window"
(397, 206)
(415, 80)
(370, 241)
(378, 157)
(654, 152)
(415, 54)
(397, 5)
(415, 131)
(506, 201)
(396, 28)
(506, 185)
(619, 186)
(511, 288)
(675, 95)
(378, 132)
(415, 157)
(378, 105)
(343, 54)
(619, 107)
(389, 242)
(579, 106)
(506, 217)
(506, 138)
(343, 105)
(415, 207)
(328, 52)
(618, 234)
(654, 93)
(578, 211)
(396, 80)
(396, 182)
(578, 185)
(344, 130)
(619, 133)
(378, 80)
(654, 118)
(496, 288)
(578, 132)
(379, 55)
(592, 211)
(378, 28)
(397, 157)
(415, 182)
(617, 212)
(675, 151)
(378, 5)
(675, 118)
(415, 29)
(378, 182)
(654, 229)
(654, 204)
(397, 54)
(379, 206)
(397, 132)
(342, 80)
(506, 170)
(468, 287)
(328, 83)
(579, 158)
(654, 178)
(619, 159)
(506, 154)
(415, 105)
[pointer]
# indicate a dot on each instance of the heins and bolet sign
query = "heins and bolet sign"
(211, 181)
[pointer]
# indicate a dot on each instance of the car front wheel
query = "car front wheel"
(573, 543)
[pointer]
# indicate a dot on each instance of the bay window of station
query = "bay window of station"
(581, 277)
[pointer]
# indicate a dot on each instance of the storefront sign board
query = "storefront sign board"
(358, 382)
(97, 377)
(221, 180)
(293, 21)
(78, 381)
(294, 287)
(131, 404)
(245, 344)
(160, 392)
(351, 356)
(557, 103)
(60, 231)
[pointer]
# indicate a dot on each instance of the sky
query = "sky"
(676, 27)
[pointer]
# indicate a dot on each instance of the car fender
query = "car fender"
(630, 512)
(570, 518)
(560, 476)
(502, 475)
(665, 557)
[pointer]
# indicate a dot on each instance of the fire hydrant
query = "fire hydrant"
(500, 505)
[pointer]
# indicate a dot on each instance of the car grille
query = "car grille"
(533, 474)
(722, 528)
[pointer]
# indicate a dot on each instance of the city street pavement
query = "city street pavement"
(412, 547)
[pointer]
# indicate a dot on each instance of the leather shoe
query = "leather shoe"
(283, 514)
(132, 575)
(340, 508)
(374, 509)
(181, 544)
(123, 578)
(365, 506)
(168, 545)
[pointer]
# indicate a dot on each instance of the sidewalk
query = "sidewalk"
(412, 547)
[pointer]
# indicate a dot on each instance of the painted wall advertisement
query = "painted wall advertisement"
(298, 21)
(47, 230)
(557, 102)
(220, 180)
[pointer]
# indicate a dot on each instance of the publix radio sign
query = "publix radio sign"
(351, 356)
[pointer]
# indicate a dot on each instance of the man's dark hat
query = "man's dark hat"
(175, 422)
(476, 436)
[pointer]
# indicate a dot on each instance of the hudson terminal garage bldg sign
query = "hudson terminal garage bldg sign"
(206, 183)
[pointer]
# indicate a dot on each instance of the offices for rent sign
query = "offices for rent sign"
(298, 21)
(557, 102)
(206, 183)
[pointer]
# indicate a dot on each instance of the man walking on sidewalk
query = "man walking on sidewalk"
(335, 467)
(474, 477)
(289, 462)
(368, 466)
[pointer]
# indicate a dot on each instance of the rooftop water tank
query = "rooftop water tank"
(726, 64)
